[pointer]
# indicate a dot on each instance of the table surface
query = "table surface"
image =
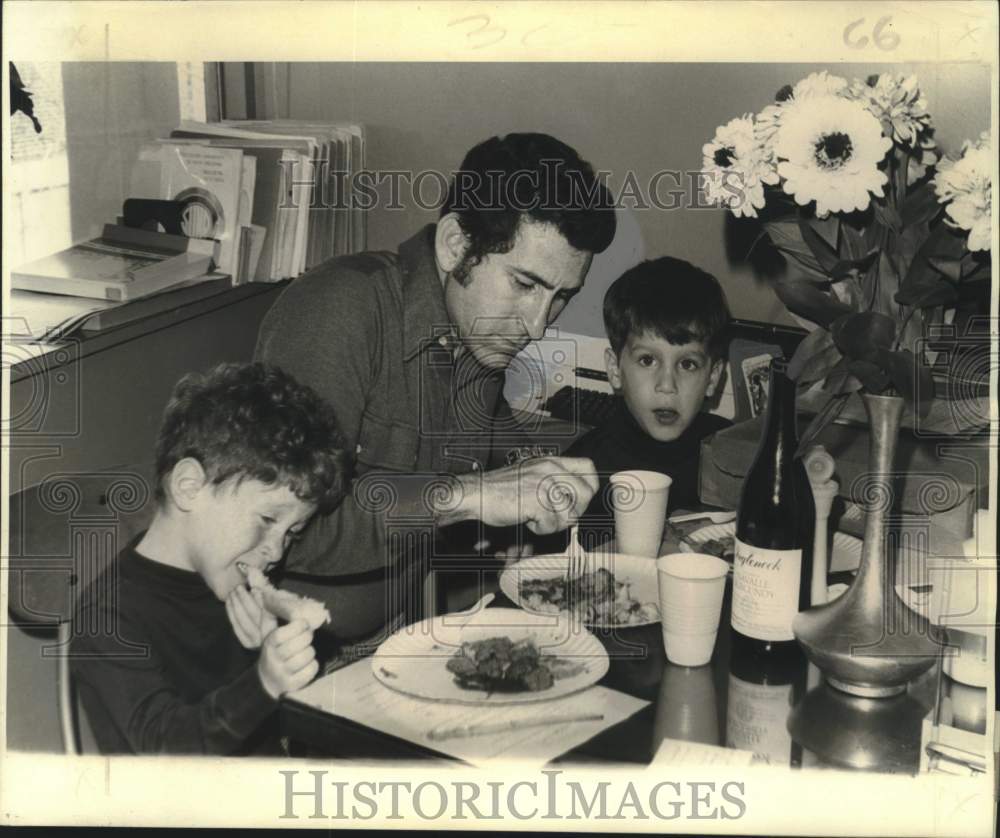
(718, 704)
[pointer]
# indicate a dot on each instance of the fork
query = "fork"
(579, 559)
(714, 517)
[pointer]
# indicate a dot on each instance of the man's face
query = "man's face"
(508, 299)
(249, 522)
(664, 384)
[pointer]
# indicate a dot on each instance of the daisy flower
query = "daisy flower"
(736, 168)
(815, 84)
(965, 187)
(829, 149)
(896, 102)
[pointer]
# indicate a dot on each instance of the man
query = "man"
(410, 349)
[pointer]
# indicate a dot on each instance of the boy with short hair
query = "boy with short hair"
(172, 653)
(666, 321)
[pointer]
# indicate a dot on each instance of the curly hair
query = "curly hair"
(670, 298)
(505, 180)
(255, 421)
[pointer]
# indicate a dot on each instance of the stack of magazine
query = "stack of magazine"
(291, 209)
(260, 200)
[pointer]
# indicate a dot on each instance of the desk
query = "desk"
(96, 401)
(718, 704)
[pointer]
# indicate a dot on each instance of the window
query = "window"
(69, 180)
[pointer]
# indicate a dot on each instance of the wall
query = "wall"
(621, 117)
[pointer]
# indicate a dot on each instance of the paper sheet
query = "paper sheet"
(681, 752)
(354, 693)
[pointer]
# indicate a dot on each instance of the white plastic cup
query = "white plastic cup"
(691, 589)
(640, 501)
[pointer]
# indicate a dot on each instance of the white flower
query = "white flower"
(819, 84)
(815, 84)
(736, 168)
(966, 188)
(896, 102)
(829, 149)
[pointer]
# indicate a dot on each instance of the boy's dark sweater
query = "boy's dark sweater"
(621, 445)
(159, 669)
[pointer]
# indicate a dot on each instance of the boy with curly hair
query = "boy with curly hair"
(172, 653)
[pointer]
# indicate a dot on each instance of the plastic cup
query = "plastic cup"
(640, 501)
(691, 590)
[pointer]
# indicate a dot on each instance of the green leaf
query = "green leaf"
(951, 268)
(871, 375)
(831, 410)
(888, 217)
(860, 335)
(939, 294)
(920, 206)
(942, 244)
(826, 255)
(912, 379)
(846, 267)
(786, 236)
(852, 241)
(814, 357)
(839, 380)
(809, 302)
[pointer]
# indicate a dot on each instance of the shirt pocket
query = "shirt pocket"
(388, 445)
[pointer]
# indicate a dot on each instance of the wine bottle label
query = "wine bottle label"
(757, 719)
(765, 591)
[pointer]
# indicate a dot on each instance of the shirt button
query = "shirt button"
(443, 340)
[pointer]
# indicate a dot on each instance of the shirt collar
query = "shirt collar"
(425, 318)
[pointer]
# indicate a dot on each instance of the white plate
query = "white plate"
(846, 548)
(638, 572)
(413, 660)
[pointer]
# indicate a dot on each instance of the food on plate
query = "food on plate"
(284, 604)
(594, 597)
(499, 664)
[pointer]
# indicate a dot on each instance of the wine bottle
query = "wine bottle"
(763, 690)
(774, 526)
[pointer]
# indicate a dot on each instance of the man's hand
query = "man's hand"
(251, 622)
(287, 659)
(546, 494)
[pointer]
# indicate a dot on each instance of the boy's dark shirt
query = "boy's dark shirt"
(192, 689)
(621, 445)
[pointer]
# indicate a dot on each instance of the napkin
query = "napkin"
(354, 693)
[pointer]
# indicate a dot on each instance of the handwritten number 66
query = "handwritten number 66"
(882, 35)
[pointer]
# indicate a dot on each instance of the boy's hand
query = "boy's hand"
(513, 554)
(251, 622)
(287, 659)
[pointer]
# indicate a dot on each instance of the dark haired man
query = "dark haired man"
(411, 350)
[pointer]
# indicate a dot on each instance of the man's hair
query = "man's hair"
(255, 421)
(505, 180)
(670, 298)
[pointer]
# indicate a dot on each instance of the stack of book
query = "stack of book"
(297, 213)
(120, 265)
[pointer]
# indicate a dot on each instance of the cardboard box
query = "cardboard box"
(939, 484)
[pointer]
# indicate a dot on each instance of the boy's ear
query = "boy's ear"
(714, 376)
(450, 243)
(186, 481)
(614, 371)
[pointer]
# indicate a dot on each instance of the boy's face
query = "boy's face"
(664, 384)
(250, 522)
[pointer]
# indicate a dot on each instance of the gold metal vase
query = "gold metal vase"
(868, 642)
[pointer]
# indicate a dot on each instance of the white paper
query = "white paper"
(354, 693)
(682, 752)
